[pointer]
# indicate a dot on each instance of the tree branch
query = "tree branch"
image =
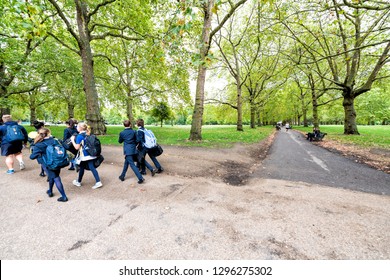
(65, 20)
(105, 3)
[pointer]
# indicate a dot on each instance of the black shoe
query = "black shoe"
(62, 199)
(49, 193)
(71, 168)
(153, 172)
(143, 172)
(160, 170)
(141, 181)
(42, 174)
(122, 178)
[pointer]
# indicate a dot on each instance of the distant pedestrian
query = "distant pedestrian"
(129, 139)
(13, 138)
(41, 142)
(288, 127)
(86, 159)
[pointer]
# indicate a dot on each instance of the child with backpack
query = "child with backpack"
(129, 139)
(146, 141)
(86, 155)
(13, 136)
(69, 131)
(49, 152)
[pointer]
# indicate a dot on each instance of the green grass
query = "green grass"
(213, 136)
(377, 136)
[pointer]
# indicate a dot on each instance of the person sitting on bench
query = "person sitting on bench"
(315, 134)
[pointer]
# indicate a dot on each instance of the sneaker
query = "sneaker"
(160, 170)
(153, 171)
(10, 171)
(97, 185)
(22, 166)
(76, 183)
(122, 178)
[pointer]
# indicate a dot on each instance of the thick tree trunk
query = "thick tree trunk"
(197, 116)
(93, 116)
(316, 122)
(71, 110)
(349, 114)
(129, 109)
(33, 114)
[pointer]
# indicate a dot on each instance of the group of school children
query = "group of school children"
(134, 149)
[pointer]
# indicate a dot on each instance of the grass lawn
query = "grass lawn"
(221, 136)
(370, 136)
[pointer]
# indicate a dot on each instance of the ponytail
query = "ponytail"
(42, 134)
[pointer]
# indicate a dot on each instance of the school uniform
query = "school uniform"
(16, 147)
(129, 139)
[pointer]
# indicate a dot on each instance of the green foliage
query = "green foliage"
(161, 112)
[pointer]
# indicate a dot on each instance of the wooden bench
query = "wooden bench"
(316, 138)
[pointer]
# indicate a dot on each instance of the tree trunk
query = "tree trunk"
(93, 116)
(316, 122)
(197, 116)
(129, 108)
(253, 113)
(33, 114)
(239, 104)
(71, 110)
(349, 113)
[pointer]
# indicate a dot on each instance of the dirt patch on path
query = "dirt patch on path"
(233, 166)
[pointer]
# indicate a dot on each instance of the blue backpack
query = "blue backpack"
(56, 156)
(14, 133)
(150, 139)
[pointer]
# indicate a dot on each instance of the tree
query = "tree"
(352, 39)
(161, 112)
(113, 24)
(208, 8)
(22, 32)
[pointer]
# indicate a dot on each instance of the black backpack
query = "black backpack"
(92, 145)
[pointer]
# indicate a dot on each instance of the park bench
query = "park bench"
(318, 137)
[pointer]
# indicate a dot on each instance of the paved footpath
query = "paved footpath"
(293, 158)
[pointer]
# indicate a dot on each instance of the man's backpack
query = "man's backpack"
(14, 133)
(92, 145)
(150, 139)
(56, 156)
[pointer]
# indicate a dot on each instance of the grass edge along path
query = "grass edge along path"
(214, 136)
(376, 136)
